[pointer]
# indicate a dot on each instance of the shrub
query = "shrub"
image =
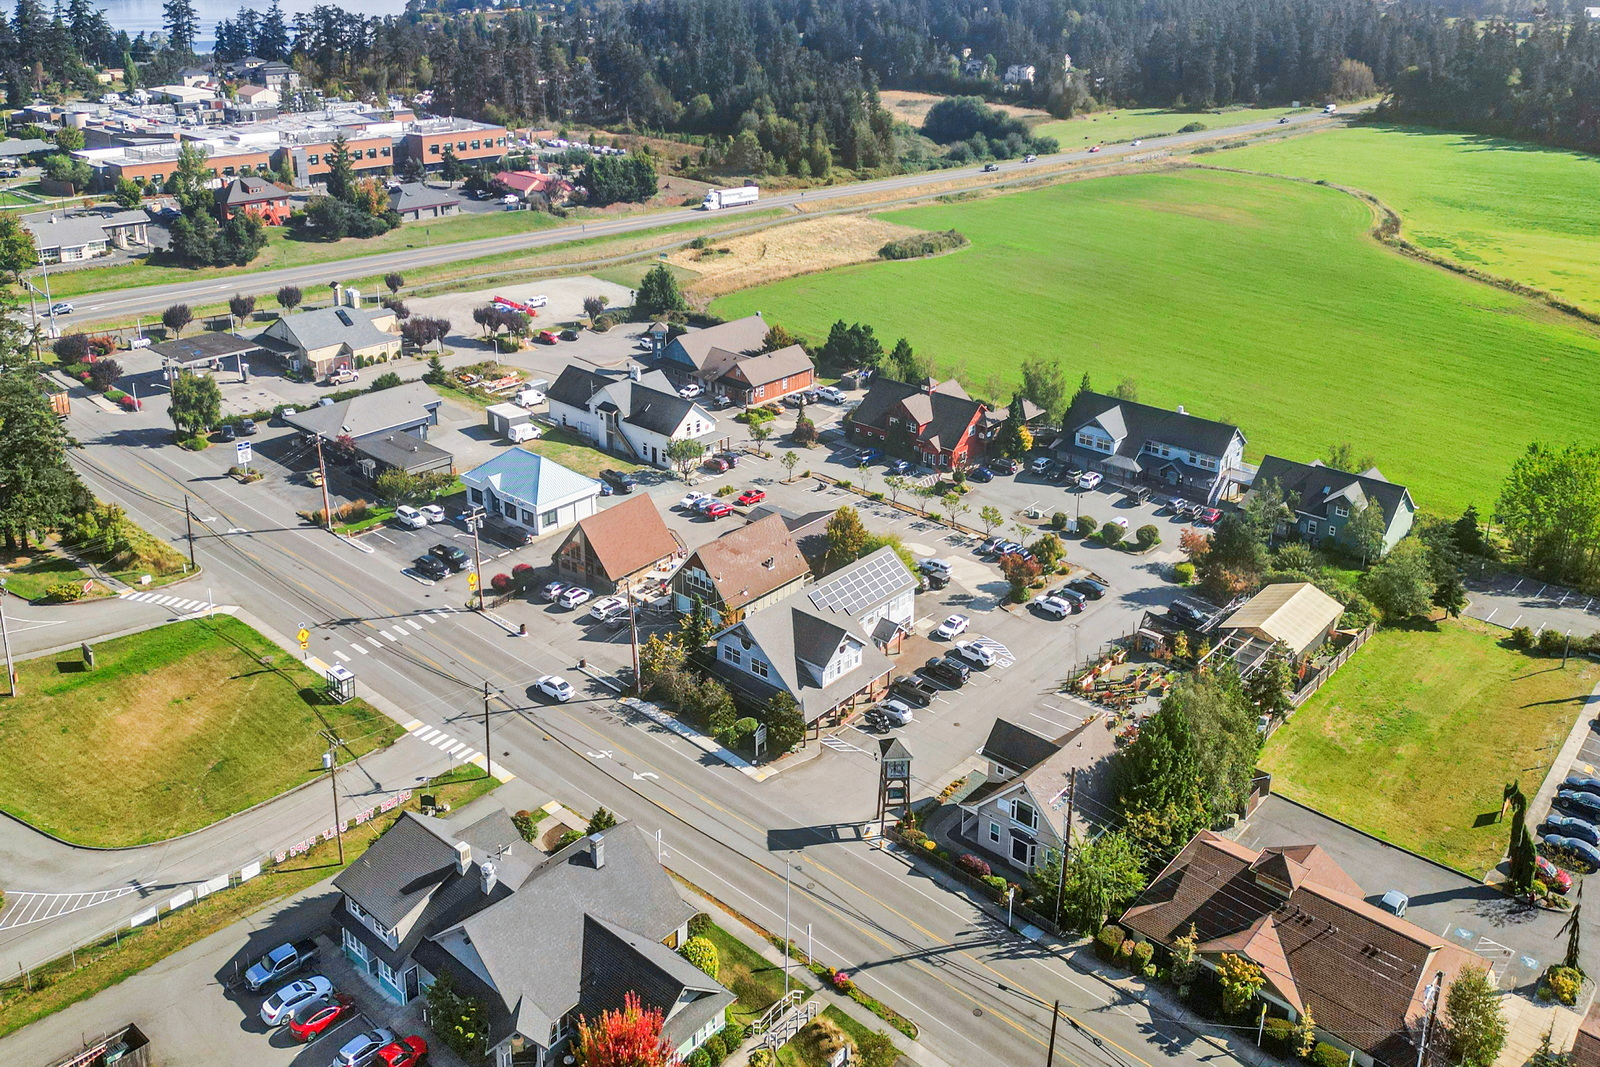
(525, 824)
(1060, 521)
(1552, 642)
(1087, 525)
(973, 865)
(64, 593)
(606, 322)
(699, 924)
(701, 952)
(1325, 1055)
(1111, 533)
(717, 1048)
(923, 244)
(761, 1057)
(699, 1058)
(1108, 941)
(1143, 952)
(500, 583)
(1278, 1034)
(996, 885)
(502, 343)
(1148, 536)
(915, 838)
(1183, 573)
(1193, 127)
(1521, 637)
(522, 574)
(1561, 983)
(733, 1035)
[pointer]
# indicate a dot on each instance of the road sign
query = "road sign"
(304, 637)
(472, 579)
(242, 448)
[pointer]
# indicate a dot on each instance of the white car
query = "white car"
(276, 1008)
(975, 653)
(1052, 605)
(410, 517)
(689, 502)
(1089, 479)
(935, 566)
(360, 1050)
(1120, 521)
(646, 345)
(1136, 144)
(954, 626)
(432, 512)
(555, 687)
(609, 607)
(62, 308)
(575, 596)
(690, 391)
(1030, 158)
(553, 591)
(898, 712)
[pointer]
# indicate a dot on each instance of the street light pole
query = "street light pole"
(5, 635)
(488, 755)
(474, 518)
(1050, 1056)
(331, 763)
(322, 472)
(786, 928)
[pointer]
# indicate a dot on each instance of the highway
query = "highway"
(152, 299)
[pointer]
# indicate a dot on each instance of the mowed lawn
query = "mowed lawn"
(175, 728)
(1247, 298)
(1416, 736)
(1512, 209)
(1126, 124)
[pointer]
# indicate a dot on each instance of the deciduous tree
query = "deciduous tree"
(195, 404)
(176, 317)
(846, 535)
(629, 1037)
(1474, 1018)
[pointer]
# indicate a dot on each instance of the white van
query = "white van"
(525, 432)
(529, 398)
(1330, 110)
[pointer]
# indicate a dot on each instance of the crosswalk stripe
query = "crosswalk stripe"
(441, 740)
(359, 649)
(427, 733)
(374, 642)
(389, 636)
(164, 600)
(341, 655)
(455, 748)
(397, 633)
(413, 625)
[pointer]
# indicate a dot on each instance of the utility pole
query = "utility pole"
(488, 756)
(1432, 993)
(1050, 1056)
(5, 635)
(1066, 853)
(633, 640)
(330, 762)
(322, 471)
(188, 524)
(474, 519)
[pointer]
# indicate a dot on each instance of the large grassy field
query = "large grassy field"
(1247, 298)
(1126, 124)
(1369, 747)
(1514, 210)
(174, 729)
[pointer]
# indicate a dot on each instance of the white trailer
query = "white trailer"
(717, 199)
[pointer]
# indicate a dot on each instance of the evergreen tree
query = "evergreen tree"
(182, 24)
(1013, 439)
(36, 485)
(658, 293)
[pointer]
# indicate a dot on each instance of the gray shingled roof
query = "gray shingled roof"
(947, 412)
(370, 413)
(1016, 748)
(69, 231)
(692, 349)
(414, 196)
(788, 632)
(1140, 423)
(311, 330)
(617, 961)
(1312, 486)
(656, 410)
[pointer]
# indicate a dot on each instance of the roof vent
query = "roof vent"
(770, 562)
(1181, 411)
(463, 857)
(633, 372)
(597, 850)
(486, 878)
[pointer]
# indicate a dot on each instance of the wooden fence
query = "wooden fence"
(1303, 694)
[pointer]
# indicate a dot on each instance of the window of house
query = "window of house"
(732, 654)
(475, 144)
(758, 667)
(1025, 814)
(433, 150)
(548, 518)
(994, 832)
(1341, 511)
(385, 151)
(372, 153)
(1333, 531)
(475, 495)
(1205, 463)
(312, 159)
(1311, 529)
(1022, 851)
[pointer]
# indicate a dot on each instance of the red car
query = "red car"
(716, 463)
(1096, 148)
(1552, 875)
(752, 496)
(407, 1052)
(318, 1018)
(719, 510)
(548, 337)
(1209, 516)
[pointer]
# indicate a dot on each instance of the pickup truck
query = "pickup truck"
(283, 960)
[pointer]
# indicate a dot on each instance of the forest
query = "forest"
(801, 77)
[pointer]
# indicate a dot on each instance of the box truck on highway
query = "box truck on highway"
(721, 198)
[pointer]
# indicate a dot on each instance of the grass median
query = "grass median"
(1409, 695)
(174, 728)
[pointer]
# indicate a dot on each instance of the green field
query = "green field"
(1251, 299)
(175, 728)
(1514, 210)
(1126, 124)
(1402, 700)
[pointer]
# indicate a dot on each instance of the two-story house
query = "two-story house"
(624, 545)
(1134, 444)
(633, 413)
(256, 196)
(1017, 813)
(933, 423)
(742, 571)
(1324, 501)
(747, 379)
(538, 940)
(824, 645)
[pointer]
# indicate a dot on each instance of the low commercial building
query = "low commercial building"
(634, 414)
(332, 339)
(73, 238)
(1137, 444)
(1015, 810)
(416, 200)
(530, 492)
(742, 571)
(411, 409)
(427, 140)
(624, 545)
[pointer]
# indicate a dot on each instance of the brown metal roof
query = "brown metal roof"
(627, 537)
(750, 562)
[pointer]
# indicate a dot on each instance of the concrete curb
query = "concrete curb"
(1540, 801)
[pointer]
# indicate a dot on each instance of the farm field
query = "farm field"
(1512, 209)
(1245, 298)
(1408, 695)
(1126, 124)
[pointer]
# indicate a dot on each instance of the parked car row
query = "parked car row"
(1574, 836)
(311, 1008)
(567, 595)
(416, 518)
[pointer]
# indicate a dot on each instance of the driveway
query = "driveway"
(1518, 941)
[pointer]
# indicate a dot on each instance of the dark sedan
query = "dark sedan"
(619, 481)
(1087, 589)
(432, 567)
(451, 556)
(948, 670)
(980, 474)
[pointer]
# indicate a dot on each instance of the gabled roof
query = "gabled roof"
(1141, 422)
(750, 562)
(1296, 613)
(370, 413)
(1360, 970)
(1311, 487)
(1047, 778)
(626, 537)
(250, 190)
(943, 408)
(658, 410)
(791, 636)
(1017, 748)
(772, 366)
(312, 330)
(575, 385)
(530, 479)
(740, 335)
(57, 230)
(857, 589)
(617, 961)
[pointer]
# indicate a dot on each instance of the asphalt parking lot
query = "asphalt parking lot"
(1519, 941)
(1510, 600)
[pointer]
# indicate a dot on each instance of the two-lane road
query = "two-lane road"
(152, 299)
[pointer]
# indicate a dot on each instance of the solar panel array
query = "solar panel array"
(869, 582)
